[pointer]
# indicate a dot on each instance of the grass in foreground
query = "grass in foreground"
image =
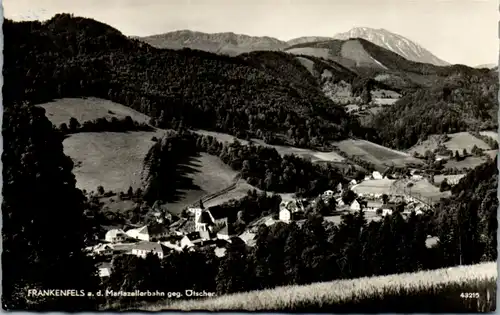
(428, 291)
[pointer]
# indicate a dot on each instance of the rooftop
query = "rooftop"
(151, 246)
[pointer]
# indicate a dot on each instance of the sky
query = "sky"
(457, 31)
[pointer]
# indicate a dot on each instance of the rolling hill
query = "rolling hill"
(393, 42)
(245, 96)
(224, 43)
(371, 60)
(233, 44)
(274, 96)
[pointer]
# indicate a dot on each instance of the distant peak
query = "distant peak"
(393, 42)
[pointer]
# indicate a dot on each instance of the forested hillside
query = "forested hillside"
(462, 102)
(467, 222)
(70, 56)
(44, 229)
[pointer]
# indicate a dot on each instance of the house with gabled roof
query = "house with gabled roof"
(139, 233)
(115, 236)
(148, 232)
(196, 239)
(213, 220)
(141, 249)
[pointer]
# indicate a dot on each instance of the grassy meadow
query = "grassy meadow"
(426, 291)
(376, 154)
(86, 109)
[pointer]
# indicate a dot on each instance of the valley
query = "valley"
(248, 163)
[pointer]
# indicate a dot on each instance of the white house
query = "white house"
(104, 269)
(193, 210)
(417, 177)
(328, 194)
(195, 238)
(141, 249)
(355, 205)
(248, 238)
(285, 215)
(148, 232)
(139, 233)
(353, 182)
(115, 236)
(386, 212)
(288, 209)
(377, 175)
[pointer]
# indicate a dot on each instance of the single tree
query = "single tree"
(74, 125)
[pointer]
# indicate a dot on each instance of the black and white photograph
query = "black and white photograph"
(306, 156)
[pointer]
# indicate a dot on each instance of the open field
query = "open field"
(464, 140)
(376, 154)
(61, 110)
(310, 51)
(385, 101)
(452, 179)
(210, 176)
(423, 292)
(376, 186)
(240, 190)
(469, 162)
(424, 189)
(457, 142)
(369, 216)
(491, 134)
(110, 159)
(385, 94)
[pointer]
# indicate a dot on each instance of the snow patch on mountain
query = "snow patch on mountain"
(393, 42)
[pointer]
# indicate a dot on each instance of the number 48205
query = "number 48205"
(469, 295)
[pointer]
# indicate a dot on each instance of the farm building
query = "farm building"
(373, 205)
(248, 238)
(377, 175)
(100, 249)
(148, 232)
(196, 239)
(141, 249)
(386, 212)
(139, 233)
(353, 182)
(115, 236)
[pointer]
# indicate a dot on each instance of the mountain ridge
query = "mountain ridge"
(232, 44)
(393, 42)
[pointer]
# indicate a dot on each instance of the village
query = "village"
(211, 228)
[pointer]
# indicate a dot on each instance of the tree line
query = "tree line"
(44, 230)
(103, 124)
(261, 166)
